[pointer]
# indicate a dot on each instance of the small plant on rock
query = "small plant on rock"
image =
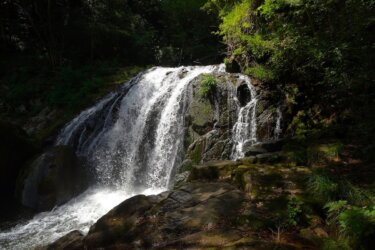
(208, 84)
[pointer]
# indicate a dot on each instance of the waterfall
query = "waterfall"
(137, 147)
(245, 129)
(132, 139)
(279, 118)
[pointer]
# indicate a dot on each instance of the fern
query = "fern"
(208, 84)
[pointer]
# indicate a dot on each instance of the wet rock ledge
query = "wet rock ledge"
(223, 205)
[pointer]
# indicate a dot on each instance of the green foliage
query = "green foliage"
(356, 223)
(28, 88)
(186, 34)
(260, 72)
(334, 209)
(294, 211)
(354, 194)
(326, 187)
(339, 244)
(77, 87)
(135, 32)
(322, 186)
(235, 21)
(207, 85)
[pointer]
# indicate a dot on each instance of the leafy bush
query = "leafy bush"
(208, 84)
(354, 195)
(356, 223)
(294, 211)
(322, 187)
(260, 72)
(326, 187)
(332, 244)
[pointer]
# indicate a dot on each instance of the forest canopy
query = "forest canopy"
(136, 32)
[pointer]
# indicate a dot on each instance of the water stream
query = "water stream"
(132, 139)
(245, 129)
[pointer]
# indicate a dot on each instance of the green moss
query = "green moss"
(239, 178)
(201, 112)
(187, 167)
(196, 153)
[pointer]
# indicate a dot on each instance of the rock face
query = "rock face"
(53, 178)
(270, 113)
(192, 216)
(259, 181)
(210, 121)
(15, 150)
(224, 205)
(270, 191)
(72, 240)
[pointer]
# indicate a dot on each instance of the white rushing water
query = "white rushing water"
(278, 130)
(79, 213)
(245, 129)
(131, 138)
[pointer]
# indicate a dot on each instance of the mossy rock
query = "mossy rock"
(201, 114)
(195, 152)
(186, 166)
(213, 170)
(268, 184)
(72, 240)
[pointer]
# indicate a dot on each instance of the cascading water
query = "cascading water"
(245, 129)
(278, 129)
(132, 139)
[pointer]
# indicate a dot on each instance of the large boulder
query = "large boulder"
(15, 149)
(269, 189)
(52, 179)
(183, 218)
(201, 115)
(263, 147)
(207, 212)
(71, 241)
